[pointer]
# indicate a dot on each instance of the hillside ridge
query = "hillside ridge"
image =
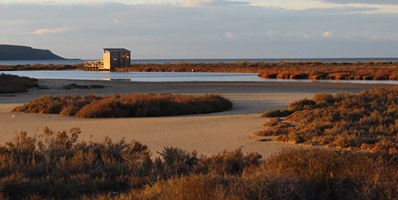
(16, 52)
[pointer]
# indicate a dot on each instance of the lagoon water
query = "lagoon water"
(140, 76)
(166, 77)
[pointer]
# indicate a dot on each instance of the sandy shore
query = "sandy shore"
(208, 134)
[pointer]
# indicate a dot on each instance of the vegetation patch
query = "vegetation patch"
(13, 84)
(39, 67)
(312, 70)
(55, 165)
(134, 105)
(332, 71)
(368, 121)
(76, 86)
(290, 174)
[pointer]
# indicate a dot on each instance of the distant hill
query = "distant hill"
(14, 52)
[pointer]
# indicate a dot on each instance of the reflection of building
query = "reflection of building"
(116, 57)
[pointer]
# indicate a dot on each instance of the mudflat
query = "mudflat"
(207, 134)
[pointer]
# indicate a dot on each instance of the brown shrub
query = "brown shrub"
(277, 113)
(290, 174)
(55, 165)
(135, 105)
(367, 120)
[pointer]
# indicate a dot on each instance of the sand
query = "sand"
(208, 134)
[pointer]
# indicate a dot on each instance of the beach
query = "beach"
(207, 134)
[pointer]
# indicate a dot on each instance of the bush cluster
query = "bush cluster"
(333, 71)
(55, 165)
(368, 120)
(134, 105)
(290, 174)
(13, 84)
(77, 86)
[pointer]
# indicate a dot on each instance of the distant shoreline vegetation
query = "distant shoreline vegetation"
(123, 106)
(373, 70)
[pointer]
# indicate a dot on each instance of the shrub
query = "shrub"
(56, 165)
(290, 174)
(277, 113)
(331, 71)
(367, 120)
(134, 105)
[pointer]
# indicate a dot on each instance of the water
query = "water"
(162, 61)
(168, 77)
(139, 76)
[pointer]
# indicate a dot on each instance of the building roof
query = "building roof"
(116, 49)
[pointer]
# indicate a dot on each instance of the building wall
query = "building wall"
(114, 59)
(107, 60)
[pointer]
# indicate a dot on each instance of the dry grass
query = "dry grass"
(54, 165)
(134, 105)
(290, 174)
(333, 71)
(367, 120)
(13, 84)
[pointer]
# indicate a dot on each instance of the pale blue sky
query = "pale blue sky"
(159, 29)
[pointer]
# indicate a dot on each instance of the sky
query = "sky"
(204, 29)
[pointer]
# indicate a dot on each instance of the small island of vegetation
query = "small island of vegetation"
(133, 105)
(366, 121)
(13, 84)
